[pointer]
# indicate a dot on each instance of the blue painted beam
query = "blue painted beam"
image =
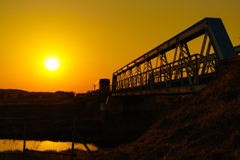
(237, 49)
(219, 38)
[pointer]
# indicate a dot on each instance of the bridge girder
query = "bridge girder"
(139, 74)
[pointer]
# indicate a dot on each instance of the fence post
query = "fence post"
(80, 138)
(73, 134)
(24, 135)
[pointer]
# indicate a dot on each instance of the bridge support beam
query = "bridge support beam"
(144, 103)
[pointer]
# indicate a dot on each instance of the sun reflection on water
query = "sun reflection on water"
(13, 145)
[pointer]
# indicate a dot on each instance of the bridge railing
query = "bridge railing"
(177, 73)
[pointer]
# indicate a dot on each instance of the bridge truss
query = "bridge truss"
(152, 72)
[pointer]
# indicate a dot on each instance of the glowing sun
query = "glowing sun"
(52, 64)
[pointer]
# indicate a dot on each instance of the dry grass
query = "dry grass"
(206, 128)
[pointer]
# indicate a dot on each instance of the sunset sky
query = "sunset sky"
(92, 38)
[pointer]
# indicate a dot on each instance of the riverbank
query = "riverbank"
(54, 119)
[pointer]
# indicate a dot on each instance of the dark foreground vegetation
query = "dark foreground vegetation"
(205, 127)
(53, 119)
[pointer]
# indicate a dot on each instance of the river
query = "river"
(13, 145)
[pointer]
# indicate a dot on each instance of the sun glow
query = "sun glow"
(52, 64)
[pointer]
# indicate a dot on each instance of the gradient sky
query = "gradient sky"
(92, 38)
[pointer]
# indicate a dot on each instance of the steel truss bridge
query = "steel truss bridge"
(187, 72)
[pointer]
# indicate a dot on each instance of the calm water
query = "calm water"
(12, 145)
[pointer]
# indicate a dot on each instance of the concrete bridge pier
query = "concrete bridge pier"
(139, 110)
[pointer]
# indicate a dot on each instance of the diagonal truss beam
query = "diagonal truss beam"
(213, 26)
(133, 77)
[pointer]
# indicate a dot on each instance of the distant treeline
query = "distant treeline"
(14, 93)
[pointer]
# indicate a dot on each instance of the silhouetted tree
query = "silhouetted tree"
(19, 95)
(2, 95)
(70, 94)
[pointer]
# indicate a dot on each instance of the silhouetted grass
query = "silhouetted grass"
(207, 127)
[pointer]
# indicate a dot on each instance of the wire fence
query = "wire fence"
(75, 136)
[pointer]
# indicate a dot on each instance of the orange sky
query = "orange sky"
(92, 38)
